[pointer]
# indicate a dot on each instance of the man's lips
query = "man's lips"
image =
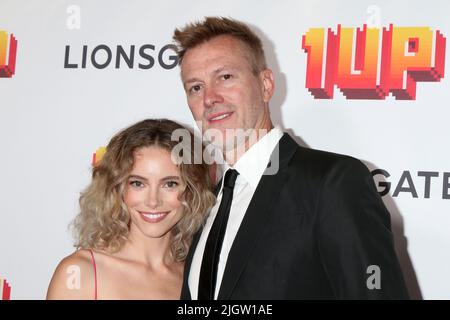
(153, 217)
(219, 116)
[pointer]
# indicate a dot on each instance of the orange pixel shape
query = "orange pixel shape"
(7, 55)
(369, 63)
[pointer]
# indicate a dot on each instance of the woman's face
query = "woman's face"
(153, 192)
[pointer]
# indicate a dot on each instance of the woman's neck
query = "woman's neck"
(153, 252)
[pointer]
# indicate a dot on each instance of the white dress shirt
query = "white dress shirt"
(251, 167)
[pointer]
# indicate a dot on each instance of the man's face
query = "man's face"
(222, 91)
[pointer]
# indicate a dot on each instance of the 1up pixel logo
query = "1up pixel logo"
(371, 63)
(5, 289)
(8, 48)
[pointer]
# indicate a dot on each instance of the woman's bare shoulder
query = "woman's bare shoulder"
(73, 278)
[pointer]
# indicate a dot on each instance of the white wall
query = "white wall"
(53, 118)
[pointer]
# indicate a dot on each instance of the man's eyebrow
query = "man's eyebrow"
(191, 80)
(225, 67)
(218, 70)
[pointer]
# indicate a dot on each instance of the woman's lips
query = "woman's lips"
(153, 217)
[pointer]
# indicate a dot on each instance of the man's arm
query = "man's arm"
(355, 240)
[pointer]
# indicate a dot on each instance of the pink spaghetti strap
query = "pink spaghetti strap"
(95, 274)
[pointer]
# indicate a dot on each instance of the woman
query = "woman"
(137, 219)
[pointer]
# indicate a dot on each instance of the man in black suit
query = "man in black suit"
(290, 222)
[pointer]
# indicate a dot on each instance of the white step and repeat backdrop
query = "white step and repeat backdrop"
(365, 78)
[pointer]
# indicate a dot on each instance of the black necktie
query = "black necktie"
(210, 261)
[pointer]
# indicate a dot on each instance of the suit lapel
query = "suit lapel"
(256, 217)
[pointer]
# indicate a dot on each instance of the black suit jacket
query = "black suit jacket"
(311, 231)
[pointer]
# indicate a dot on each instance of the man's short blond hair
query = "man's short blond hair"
(194, 34)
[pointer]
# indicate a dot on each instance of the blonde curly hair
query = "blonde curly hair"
(103, 220)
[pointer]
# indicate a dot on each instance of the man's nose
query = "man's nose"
(211, 97)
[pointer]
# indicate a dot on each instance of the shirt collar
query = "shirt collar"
(254, 161)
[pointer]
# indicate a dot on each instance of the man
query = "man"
(316, 229)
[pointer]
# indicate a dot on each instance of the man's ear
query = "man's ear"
(268, 84)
